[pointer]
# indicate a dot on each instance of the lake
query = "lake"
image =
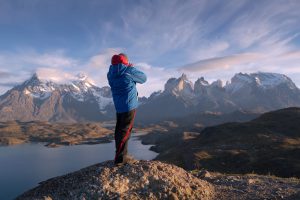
(23, 166)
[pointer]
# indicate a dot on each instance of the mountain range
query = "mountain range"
(42, 100)
(256, 92)
(81, 100)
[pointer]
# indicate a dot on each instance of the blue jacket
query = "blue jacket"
(122, 80)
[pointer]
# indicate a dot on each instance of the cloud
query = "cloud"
(219, 39)
(156, 78)
(52, 61)
(225, 67)
(208, 49)
(154, 28)
(103, 59)
(55, 75)
(266, 27)
(218, 63)
(55, 59)
(20, 66)
(32, 59)
(290, 55)
(9, 84)
(4, 74)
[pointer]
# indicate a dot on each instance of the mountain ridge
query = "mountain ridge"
(43, 100)
(81, 100)
(256, 92)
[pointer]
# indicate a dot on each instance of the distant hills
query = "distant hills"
(81, 101)
(268, 144)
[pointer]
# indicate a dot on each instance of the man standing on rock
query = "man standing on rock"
(122, 77)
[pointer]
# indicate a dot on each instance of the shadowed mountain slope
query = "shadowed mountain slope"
(269, 144)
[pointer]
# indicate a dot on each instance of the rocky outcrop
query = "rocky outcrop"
(139, 180)
(157, 180)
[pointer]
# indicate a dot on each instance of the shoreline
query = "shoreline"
(52, 162)
(92, 141)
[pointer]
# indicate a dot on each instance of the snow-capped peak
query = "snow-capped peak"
(202, 81)
(262, 80)
(33, 80)
(81, 89)
(180, 85)
(269, 79)
(217, 83)
(184, 77)
(82, 76)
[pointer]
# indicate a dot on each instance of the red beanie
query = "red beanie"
(124, 58)
(115, 60)
(121, 58)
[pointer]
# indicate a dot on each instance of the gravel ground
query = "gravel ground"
(140, 180)
(157, 180)
(251, 186)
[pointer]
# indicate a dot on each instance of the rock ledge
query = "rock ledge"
(140, 180)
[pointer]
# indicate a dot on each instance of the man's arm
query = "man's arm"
(137, 75)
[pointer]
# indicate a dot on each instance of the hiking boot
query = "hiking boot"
(128, 159)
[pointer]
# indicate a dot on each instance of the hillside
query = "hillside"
(53, 134)
(211, 119)
(269, 144)
(157, 180)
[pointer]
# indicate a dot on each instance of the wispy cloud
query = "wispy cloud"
(156, 78)
(219, 38)
(9, 84)
(221, 63)
(97, 67)
(52, 60)
(4, 74)
(55, 75)
(103, 59)
(19, 66)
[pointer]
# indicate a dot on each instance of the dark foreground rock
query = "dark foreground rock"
(140, 180)
(251, 186)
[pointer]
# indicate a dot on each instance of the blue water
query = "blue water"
(23, 166)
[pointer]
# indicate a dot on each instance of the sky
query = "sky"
(59, 39)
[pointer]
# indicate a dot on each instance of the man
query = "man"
(122, 77)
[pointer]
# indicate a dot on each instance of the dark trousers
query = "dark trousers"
(122, 134)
